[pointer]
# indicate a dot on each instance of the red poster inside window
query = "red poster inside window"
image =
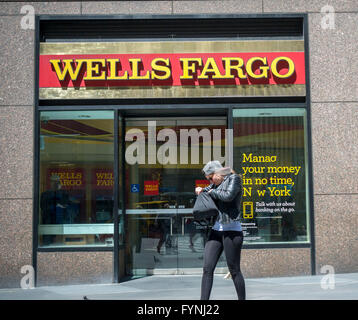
(151, 187)
(70, 179)
(103, 179)
(202, 183)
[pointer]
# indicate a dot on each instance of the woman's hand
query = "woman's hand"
(198, 190)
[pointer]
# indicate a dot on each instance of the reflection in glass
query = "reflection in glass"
(160, 230)
(76, 178)
(270, 152)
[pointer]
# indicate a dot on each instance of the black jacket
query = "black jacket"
(227, 197)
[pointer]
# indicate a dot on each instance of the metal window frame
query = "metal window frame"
(122, 107)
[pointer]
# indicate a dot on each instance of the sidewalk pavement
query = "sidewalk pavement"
(187, 287)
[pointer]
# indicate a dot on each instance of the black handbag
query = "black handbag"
(204, 207)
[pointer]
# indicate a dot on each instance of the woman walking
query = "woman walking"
(226, 234)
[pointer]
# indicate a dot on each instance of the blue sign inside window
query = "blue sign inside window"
(134, 188)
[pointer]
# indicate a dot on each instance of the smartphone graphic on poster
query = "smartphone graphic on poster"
(248, 210)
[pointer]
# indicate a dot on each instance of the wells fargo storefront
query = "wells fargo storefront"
(128, 111)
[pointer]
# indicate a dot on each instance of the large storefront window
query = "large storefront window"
(76, 178)
(270, 152)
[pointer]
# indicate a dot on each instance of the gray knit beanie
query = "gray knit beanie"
(212, 167)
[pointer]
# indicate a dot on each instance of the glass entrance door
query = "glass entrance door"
(163, 162)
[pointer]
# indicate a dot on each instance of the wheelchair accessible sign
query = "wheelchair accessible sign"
(134, 188)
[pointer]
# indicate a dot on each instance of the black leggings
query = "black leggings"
(231, 243)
